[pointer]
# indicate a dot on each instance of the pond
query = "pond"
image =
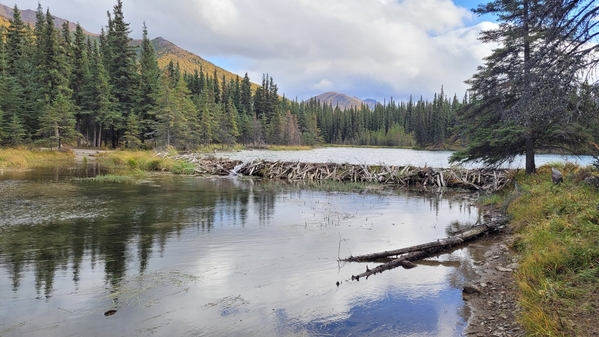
(388, 156)
(192, 256)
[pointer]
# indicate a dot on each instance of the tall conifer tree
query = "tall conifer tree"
(121, 68)
(57, 121)
(150, 87)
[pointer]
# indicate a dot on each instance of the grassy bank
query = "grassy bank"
(23, 158)
(557, 229)
(135, 162)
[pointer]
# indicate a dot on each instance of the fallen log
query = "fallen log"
(419, 252)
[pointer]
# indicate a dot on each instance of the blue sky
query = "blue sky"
(364, 48)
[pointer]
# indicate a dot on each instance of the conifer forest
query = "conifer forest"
(63, 87)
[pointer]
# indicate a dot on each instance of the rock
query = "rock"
(504, 270)
(470, 288)
(556, 176)
(513, 266)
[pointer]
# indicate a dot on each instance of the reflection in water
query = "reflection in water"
(217, 256)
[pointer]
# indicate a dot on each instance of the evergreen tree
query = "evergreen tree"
(150, 87)
(20, 67)
(245, 96)
(121, 68)
(53, 71)
(228, 130)
(11, 128)
(520, 96)
(208, 112)
(80, 73)
(57, 121)
(98, 99)
(15, 130)
(176, 115)
(131, 136)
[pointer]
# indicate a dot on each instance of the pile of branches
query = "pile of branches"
(401, 176)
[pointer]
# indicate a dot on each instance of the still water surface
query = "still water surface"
(388, 156)
(189, 256)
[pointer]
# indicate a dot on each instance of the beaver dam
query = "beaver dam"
(400, 176)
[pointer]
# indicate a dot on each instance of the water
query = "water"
(375, 156)
(189, 256)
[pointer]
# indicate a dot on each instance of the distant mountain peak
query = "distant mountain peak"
(336, 99)
(28, 17)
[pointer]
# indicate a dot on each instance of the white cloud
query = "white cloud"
(324, 84)
(366, 48)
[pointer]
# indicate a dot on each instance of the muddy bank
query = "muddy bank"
(494, 310)
(86, 153)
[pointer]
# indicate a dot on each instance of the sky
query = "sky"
(364, 48)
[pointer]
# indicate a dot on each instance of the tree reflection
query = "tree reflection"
(122, 226)
(140, 218)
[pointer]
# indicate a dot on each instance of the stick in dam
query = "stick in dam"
(419, 252)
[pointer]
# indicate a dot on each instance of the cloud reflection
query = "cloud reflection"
(264, 255)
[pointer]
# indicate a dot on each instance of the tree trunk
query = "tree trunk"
(530, 155)
(57, 135)
(419, 252)
(530, 142)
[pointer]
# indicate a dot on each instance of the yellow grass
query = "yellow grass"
(289, 147)
(21, 158)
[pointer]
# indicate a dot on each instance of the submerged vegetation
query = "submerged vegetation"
(558, 240)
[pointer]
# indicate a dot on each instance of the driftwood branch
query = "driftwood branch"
(419, 252)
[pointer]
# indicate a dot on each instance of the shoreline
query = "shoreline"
(494, 311)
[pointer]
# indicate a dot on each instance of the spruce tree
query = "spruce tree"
(150, 87)
(79, 75)
(228, 130)
(98, 98)
(131, 137)
(520, 96)
(176, 115)
(208, 110)
(57, 121)
(20, 66)
(121, 68)
(246, 96)
(54, 70)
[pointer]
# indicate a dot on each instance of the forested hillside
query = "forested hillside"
(61, 87)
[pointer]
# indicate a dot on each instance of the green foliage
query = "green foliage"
(118, 97)
(58, 122)
(132, 135)
(150, 87)
(183, 167)
(526, 95)
(134, 177)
